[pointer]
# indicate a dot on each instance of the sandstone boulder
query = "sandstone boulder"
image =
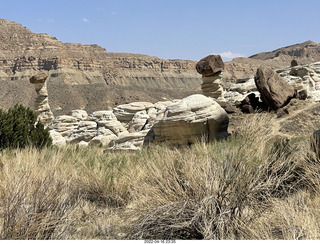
(138, 121)
(300, 71)
(227, 106)
(107, 119)
(102, 140)
(210, 65)
(64, 124)
(79, 114)
(244, 86)
(132, 141)
(57, 138)
(302, 95)
(85, 132)
(125, 112)
(83, 144)
(193, 118)
(275, 91)
(104, 137)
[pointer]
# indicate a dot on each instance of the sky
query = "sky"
(172, 29)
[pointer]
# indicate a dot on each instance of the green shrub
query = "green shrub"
(19, 128)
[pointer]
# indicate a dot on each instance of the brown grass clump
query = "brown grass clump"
(35, 196)
(213, 191)
(250, 186)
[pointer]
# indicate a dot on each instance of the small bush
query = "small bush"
(19, 128)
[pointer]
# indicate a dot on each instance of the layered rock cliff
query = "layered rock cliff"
(85, 76)
(88, 77)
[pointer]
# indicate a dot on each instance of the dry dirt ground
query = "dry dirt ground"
(299, 119)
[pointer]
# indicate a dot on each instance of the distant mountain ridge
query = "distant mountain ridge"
(305, 53)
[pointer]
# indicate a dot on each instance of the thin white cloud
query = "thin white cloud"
(85, 20)
(227, 56)
(114, 12)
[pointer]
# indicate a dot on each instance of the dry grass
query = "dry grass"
(245, 187)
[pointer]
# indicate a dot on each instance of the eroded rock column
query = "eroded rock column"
(42, 107)
(211, 68)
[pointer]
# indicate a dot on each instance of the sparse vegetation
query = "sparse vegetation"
(245, 187)
(18, 129)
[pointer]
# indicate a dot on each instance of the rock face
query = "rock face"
(193, 118)
(304, 77)
(275, 91)
(42, 107)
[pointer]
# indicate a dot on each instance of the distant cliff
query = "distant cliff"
(85, 76)
(88, 77)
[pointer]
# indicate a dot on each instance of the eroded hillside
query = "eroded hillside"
(85, 76)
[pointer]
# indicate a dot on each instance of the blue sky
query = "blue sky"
(172, 29)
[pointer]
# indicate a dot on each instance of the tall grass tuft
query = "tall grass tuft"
(36, 196)
(213, 191)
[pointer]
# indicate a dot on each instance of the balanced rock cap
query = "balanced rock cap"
(210, 65)
(39, 78)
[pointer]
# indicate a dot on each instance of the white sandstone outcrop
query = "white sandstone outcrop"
(304, 77)
(79, 114)
(107, 119)
(132, 141)
(57, 138)
(64, 124)
(125, 112)
(193, 118)
(84, 132)
(138, 121)
(180, 122)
